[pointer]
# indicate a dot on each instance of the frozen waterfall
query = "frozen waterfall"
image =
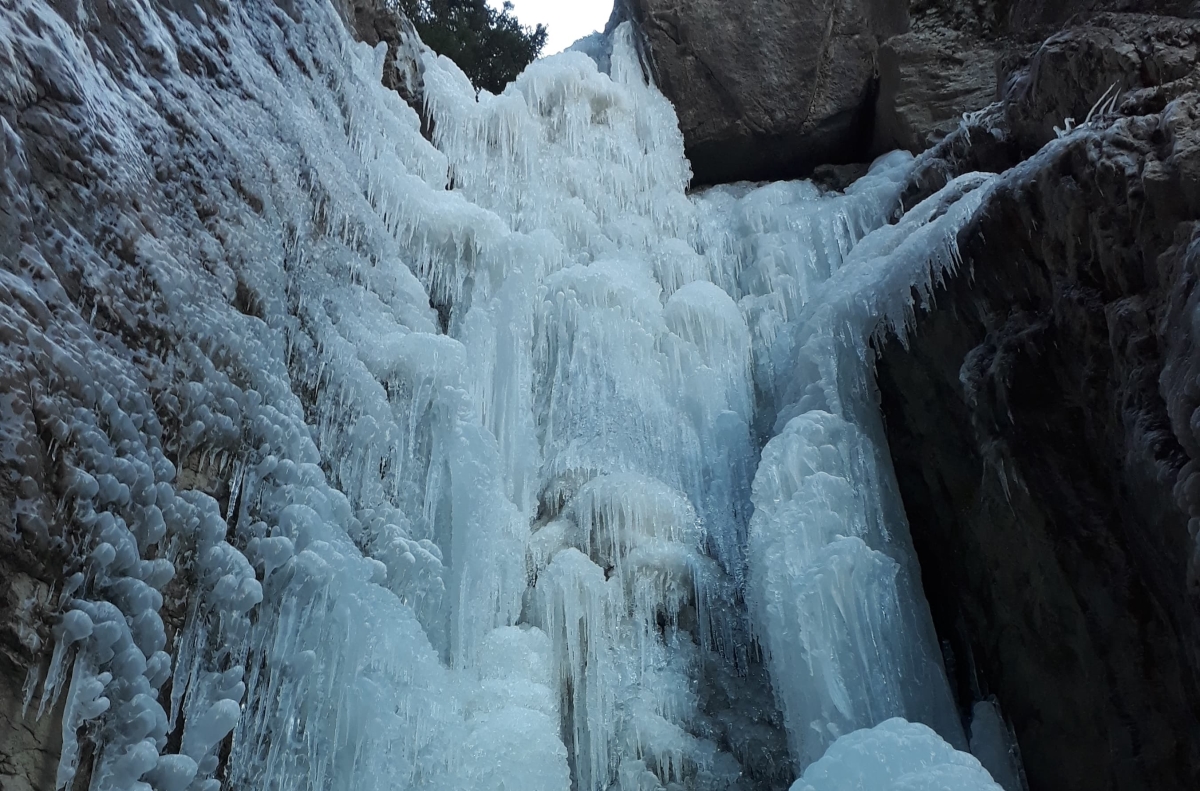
(496, 462)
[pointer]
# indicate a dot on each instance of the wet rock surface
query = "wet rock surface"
(30, 747)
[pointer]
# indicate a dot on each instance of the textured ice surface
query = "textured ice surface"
(393, 464)
(895, 756)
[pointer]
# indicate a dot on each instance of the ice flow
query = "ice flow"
(496, 461)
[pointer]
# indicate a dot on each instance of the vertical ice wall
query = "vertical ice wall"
(320, 536)
(834, 588)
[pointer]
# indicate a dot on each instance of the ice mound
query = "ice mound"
(895, 755)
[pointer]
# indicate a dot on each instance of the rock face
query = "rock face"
(69, 177)
(957, 56)
(1044, 423)
(769, 88)
(928, 78)
(30, 747)
(1114, 53)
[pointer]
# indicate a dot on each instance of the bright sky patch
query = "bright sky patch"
(567, 20)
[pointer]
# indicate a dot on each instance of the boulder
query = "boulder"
(768, 89)
(1141, 61)
(1072, 73)
(1033, 20)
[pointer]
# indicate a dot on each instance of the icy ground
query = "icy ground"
(500, 462)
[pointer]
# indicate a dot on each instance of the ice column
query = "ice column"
(834, 584)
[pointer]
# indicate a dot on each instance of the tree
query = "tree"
(491, 46)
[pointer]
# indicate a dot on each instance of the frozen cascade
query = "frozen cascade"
(540, 547)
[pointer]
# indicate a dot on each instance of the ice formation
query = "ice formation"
(492, 462)
(895, 756)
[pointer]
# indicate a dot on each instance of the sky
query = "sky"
(567, 20)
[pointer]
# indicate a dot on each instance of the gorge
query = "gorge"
(362, 430)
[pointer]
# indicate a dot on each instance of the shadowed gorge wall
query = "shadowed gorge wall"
(1041, 424)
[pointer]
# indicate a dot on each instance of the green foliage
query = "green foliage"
(490, 46)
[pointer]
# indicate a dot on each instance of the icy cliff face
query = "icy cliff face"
(377, 463)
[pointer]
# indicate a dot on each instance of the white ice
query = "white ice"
(895, 756)
(445, 471)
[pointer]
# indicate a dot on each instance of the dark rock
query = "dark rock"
(837, 178)
(1073, 70)
(1142, 62)
(981, 143)
(959, 57)
(1042, 424)
(768, 88)
(30, 747)
(1033, 20)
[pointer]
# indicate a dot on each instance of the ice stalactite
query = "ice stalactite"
(397, 464)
